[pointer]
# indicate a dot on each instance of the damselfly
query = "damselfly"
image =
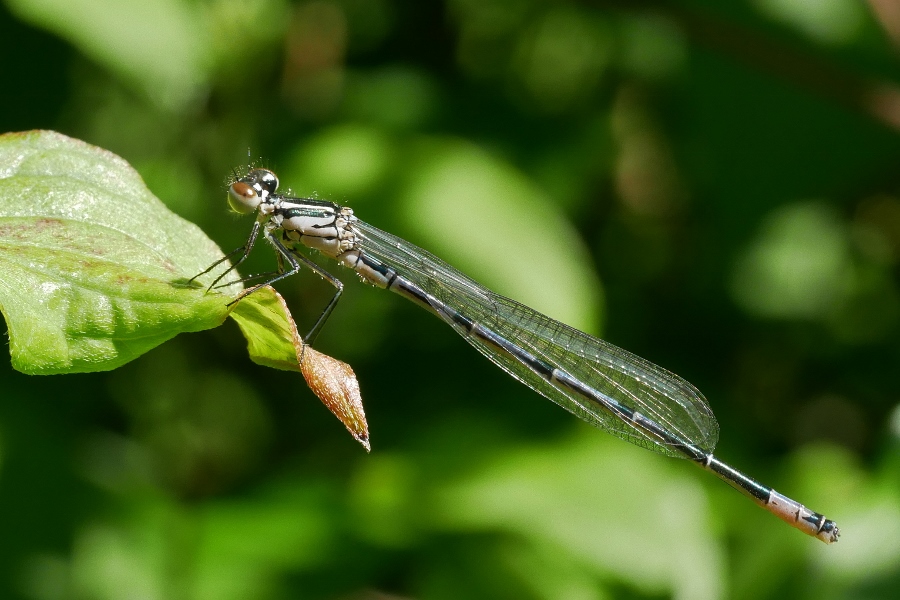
(606, 386)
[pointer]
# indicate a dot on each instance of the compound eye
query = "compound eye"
(263, 180)
(268, 181)
(242, 198)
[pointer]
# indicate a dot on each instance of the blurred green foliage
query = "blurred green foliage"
(713, 186)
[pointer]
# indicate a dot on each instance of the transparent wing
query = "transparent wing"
(634, 382)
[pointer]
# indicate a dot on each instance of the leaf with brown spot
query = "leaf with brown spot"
(93, 267)
(273, 341)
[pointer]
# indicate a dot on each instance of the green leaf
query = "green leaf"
(272, 338)
(93, 268)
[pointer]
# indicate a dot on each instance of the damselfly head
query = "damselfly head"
(247, 193)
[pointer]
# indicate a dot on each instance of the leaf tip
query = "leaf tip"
(334, 382)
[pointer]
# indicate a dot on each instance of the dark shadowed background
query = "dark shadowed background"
(715, 187)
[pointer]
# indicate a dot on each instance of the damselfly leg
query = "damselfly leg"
(245, 252)
(283, 254)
